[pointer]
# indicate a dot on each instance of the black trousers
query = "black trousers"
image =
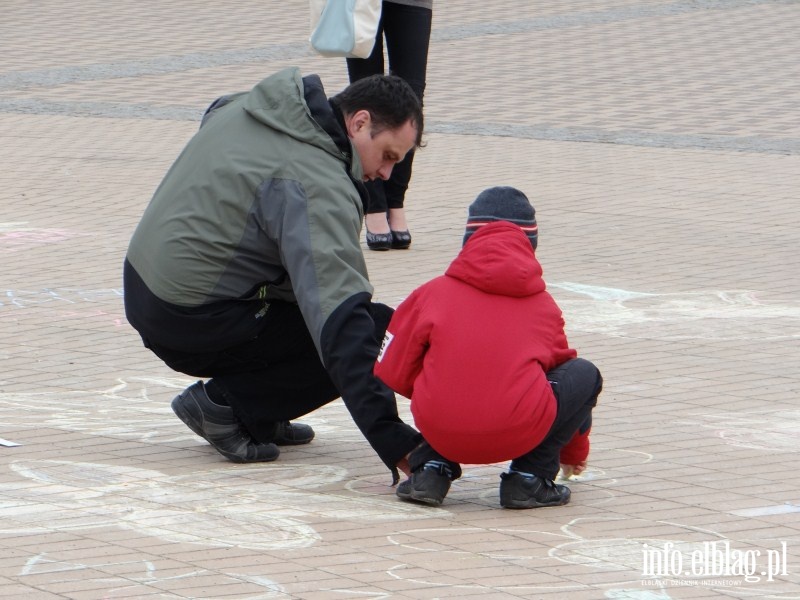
(576, 384)
(407, 30)
(276, 376)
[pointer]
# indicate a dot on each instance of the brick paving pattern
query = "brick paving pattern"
(659, 141)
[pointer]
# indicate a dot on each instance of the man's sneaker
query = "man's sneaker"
(428, 485)
(220, 427)
(518, 490)
(293, 434)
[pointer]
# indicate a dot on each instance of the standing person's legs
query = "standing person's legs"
(376, 209)
(576, 385)
(407, 30)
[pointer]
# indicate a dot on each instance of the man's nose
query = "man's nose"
(385, 171)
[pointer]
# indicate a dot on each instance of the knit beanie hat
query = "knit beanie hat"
(502, 204)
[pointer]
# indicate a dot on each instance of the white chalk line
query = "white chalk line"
(375, 595)
(41, 564)
(16, 236)
(135, 408)
(595, 552)
(677, 316)
(767, 511)
(770, 430)
(212, 507)
(705, 314)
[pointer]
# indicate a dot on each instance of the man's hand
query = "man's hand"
(568, 471)
(403, 466)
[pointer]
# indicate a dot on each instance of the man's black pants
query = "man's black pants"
(276, 376)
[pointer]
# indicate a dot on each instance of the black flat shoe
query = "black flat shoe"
(379, 241)
(400, 240)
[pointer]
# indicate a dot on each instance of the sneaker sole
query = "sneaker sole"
(519, 504)
(238, 459)
(423, 499)
(286, 442)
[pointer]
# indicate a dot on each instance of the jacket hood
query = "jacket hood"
(499, 259)
(297, 106)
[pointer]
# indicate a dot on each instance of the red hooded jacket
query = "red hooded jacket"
(471, 350)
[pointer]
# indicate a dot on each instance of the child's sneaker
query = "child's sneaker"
(428, 485)
(524, 490)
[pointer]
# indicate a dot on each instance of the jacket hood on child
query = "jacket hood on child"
(499, 259)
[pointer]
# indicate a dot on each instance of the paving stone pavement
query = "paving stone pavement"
(660, 143)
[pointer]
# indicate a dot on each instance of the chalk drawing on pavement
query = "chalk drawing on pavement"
(708, 315)
(771, 430)
(139, 578)
(16, 236)
(593, 543)
(134, 408)
(257, 507)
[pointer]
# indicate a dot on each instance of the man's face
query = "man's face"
(381, 152)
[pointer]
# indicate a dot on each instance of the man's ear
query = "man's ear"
(357, 121)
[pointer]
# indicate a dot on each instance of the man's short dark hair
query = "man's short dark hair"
(389, 99)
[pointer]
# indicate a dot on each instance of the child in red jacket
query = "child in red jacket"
(482, 354)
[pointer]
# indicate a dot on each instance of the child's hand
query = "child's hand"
(568, 471)
(404, 466)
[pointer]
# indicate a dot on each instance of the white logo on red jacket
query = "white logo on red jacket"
(387, 339)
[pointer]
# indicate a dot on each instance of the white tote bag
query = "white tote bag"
(344, 27)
